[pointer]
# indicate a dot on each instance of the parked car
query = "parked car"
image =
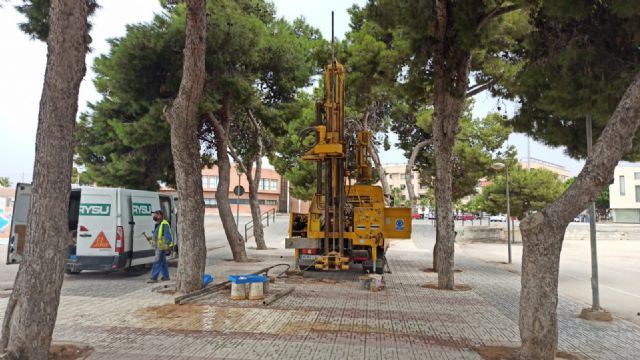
(466, 216)
(498, 218)
(417, 216)
(431, 216)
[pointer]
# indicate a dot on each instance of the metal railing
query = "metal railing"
(249, 226)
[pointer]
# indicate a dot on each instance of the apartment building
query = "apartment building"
(268, 190)
(396, 178)
(563, 173)
(624, 194)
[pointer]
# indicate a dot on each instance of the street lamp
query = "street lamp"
(499, 166)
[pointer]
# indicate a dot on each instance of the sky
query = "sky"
(22, 65)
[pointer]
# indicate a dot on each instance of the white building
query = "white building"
(624, 194)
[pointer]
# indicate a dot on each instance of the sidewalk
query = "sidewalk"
(122, 319)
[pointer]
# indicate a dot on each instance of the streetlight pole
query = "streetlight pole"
(500, 166)
(595, 291)
(506, 171)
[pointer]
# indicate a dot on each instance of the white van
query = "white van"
(105, 226)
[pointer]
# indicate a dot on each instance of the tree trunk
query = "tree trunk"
(540, 266)
(33, 306)
(451, 79)
(185, 147)
(256, 216)
(543, 232)
(258, 230)
(221, 129)
(409, 172)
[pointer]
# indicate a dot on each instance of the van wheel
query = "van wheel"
(72, 272)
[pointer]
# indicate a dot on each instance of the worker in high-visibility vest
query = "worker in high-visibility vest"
(162, 241)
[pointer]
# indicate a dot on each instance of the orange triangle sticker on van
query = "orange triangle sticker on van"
(101, 242)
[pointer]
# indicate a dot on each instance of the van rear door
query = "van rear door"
(143, 203)
(96, 240)
(19, 219)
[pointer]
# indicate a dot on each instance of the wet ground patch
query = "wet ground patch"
(511, 353)
(69, 351)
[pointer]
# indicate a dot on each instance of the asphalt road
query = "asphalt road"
(618, 264)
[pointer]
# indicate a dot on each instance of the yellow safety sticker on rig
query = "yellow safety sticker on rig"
(101, 242)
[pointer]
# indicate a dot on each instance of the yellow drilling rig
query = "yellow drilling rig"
(346, 224)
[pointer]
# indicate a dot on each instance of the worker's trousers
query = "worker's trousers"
(160, 266)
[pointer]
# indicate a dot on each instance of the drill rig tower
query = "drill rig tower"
(346, 224)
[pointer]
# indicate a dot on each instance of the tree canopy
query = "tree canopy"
(529, 190)
(253, 58)
(478, 141)
(578, 62)
(37, 14)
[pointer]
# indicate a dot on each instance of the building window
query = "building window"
(236, 201)
(621, 185)
(268, 202)
(210, 203)
(637, 193)
(213, 182)
(264, 184)
(205, 182)
(636, 175)
(403, 186)
(269, 184)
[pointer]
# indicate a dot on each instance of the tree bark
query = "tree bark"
(185, 148)
(221, 130)
(543, 232)
(256, 216)
(451, 78)
(409, 172)
(254, 182)
(33, 306)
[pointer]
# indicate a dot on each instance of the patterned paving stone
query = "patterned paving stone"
(123, 319)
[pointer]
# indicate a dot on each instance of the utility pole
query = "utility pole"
(595, 290)
(595, 312)
(500, 166)
(528, 153)
(506, 171)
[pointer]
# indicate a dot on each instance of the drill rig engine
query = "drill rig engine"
(346, 224)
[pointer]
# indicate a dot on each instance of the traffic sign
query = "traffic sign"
(238, 190)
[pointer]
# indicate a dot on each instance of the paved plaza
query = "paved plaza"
(122, 318)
